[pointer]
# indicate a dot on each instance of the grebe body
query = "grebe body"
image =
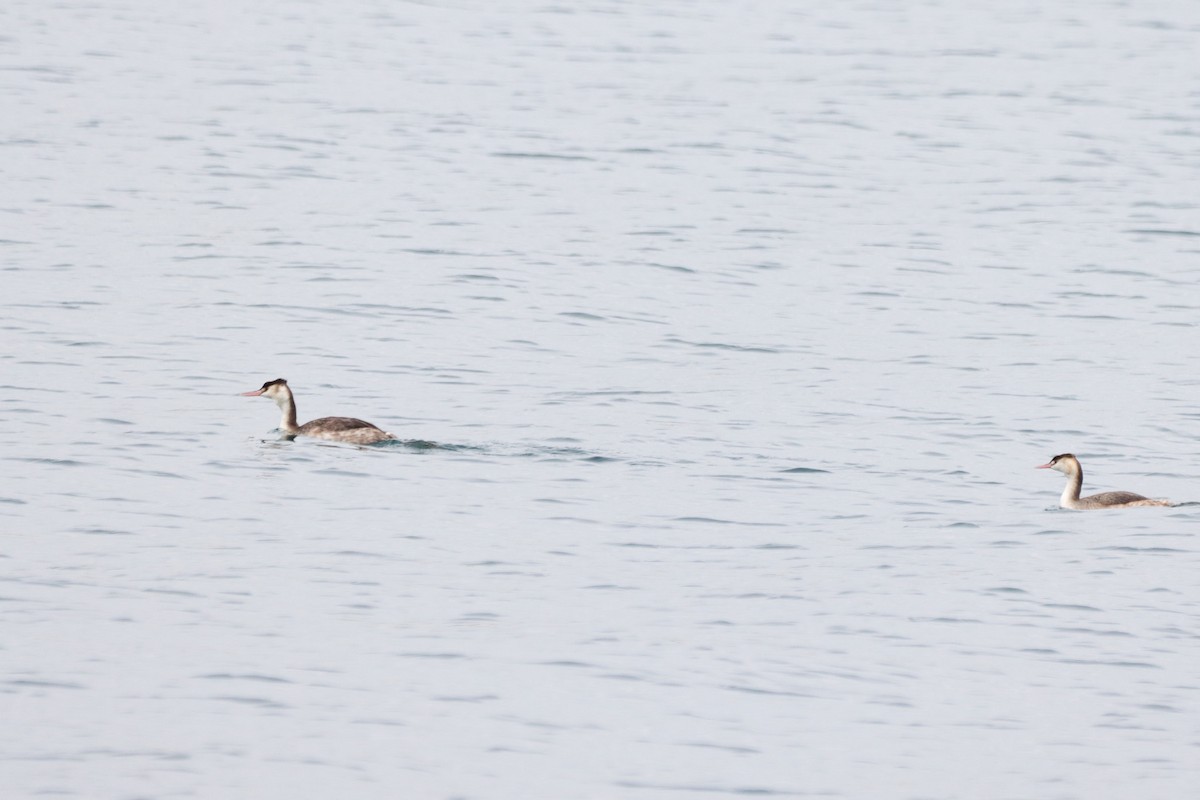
(1069, 465)
(334, 429)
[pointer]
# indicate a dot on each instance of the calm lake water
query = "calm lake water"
(742, 326)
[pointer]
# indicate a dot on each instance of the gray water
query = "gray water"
(743, 326)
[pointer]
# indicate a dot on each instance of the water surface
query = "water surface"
(740, 329)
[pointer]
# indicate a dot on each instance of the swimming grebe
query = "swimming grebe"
(337, 429)
(1068, 465)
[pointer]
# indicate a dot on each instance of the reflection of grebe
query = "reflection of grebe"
(338, 429)
(1068, 465)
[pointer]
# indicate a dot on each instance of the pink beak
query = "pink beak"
(1044, 466)
(255, 393)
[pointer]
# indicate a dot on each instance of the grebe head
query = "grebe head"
(1065, 463)
(273, 389)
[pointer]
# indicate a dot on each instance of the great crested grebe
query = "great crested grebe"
(337, 429)
(1068, 465)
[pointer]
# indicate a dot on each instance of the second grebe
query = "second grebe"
(1068, 465)
(337, 429)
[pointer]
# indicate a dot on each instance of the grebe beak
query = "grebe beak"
(255, 393)
(1043, 466)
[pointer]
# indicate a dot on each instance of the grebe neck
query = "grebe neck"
(287, 407)
(1074, 485)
